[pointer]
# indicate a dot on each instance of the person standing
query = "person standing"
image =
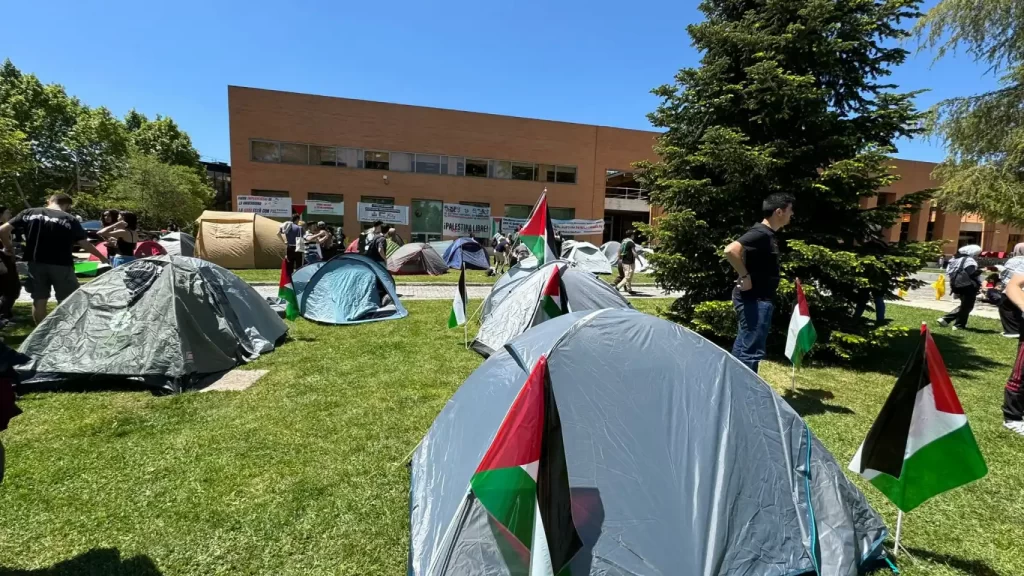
(755, 258)
(122, 237)
(1013, 395)
(10, 284)
(627, 262)
(964, 277)
(289, 232)
(50, 233)
(377, 248)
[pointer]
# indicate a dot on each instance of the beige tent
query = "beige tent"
(237, 240)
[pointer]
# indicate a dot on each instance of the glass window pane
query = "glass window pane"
(502, 169)
(566, 174)
(348, 157)
(476, 168)
(518, 211)
(401, 162)
(322, 155)
(545, 173)
(461, 168)
(374, 160)
(444, 165)
(428, 163)
(265, 152)
(377, 200)
(427, 218)
(294, 153)
(521, 171)
(562, 213)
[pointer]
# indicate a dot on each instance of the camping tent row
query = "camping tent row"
(347, 289)
(679, 460)
(237, 240)
(169, 322)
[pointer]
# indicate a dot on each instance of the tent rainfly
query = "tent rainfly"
(416, 258)
(179, 244)
(469, 251)
(347, 289)
(238, 240)
(586, 256)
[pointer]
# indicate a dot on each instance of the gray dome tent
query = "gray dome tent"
(179, 244)
(416, 258)
(680, 460)
(511, 306)
(167, 321)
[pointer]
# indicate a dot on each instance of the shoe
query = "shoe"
(957, 328)
(1008, 335)
(942, 322)
(1015, 426)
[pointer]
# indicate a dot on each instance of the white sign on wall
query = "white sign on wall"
(574, 227)
(386, 213)
(462, 220)
(319, 207)
(269, 206)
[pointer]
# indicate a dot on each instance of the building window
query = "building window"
(545, 173)
(400, 162)
(521, 211)
(427, 220)
(476, 168)
(562, 213)
(265, 151)
(374, 160)
(329, 218)
(349, 158)
(1011, 241)
(322, 156)
(477, 204)
(429, 163)
(521, 171)
(565, 174)
(294, 153)
(271, 193)
(501, 169)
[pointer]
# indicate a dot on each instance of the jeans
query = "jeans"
(879, 307)
(961, 313)
(120, 260)
(755, 319)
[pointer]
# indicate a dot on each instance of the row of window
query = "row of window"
(310, 154)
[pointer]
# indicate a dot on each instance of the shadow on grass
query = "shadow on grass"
(95, 562)
(811, 402)
(960, 356)
(973, 567)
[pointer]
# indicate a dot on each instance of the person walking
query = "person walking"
(122, 237)
(1013, 395)
(964, 277)
(627, 260)
(755, 258)
(50, 233)
(289, 232)
(10, 283)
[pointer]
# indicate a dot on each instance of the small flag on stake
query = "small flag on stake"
(457, 317)
(286, 292)
(801, 331)
(550, 305)
(538, 234)
(921, 444)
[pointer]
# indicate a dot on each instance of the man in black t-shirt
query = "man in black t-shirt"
(49, 235)
(377, 249)
(755, 257)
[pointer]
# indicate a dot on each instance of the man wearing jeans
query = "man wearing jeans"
(755, 257)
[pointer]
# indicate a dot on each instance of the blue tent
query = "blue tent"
(347, 289)
(469, 251)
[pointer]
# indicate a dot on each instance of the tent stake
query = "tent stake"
(899, 530)
(793, 380)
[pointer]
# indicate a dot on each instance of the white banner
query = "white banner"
(269, 206)
(575, 227)
(386, 213)
(461, 220)
(314, 207)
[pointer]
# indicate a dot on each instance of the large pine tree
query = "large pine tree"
(790, 96)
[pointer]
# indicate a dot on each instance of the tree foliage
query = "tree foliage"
(789, 97)
(163, 139)
(984, 133)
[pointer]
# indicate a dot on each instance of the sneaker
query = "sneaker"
(1008, 335)
(942, 322)
(957, 328)
(1015, 426)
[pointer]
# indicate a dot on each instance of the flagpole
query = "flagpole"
(465, 333)
(899, 530)
(793, 381)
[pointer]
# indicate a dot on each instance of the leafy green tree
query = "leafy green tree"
(790, 96)
(156, 192)
(162, 138)
(984, 133)
(15, 152)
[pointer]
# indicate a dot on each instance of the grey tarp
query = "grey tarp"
(509, 309)
(680, 460)
(168, 320)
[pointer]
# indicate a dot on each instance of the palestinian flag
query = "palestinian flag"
(921, 444)
(286, 292)
(458, 313)
(550, 305)
(90, 267)
(523, 482)
(301, 210)
(801, 331)
(538, 234)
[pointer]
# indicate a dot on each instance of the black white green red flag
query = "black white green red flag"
(523, 483)
(921, 444)
(801, 335)
(286, 292)
(457, 317)
(538, 234)
(551, 304)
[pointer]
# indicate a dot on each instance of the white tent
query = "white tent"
(611, 252)
(179, 244)
(586, 256)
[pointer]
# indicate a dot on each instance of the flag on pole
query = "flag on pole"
(801, 331)
(523, 482)
(89, 268)
(921, 444)
(457, 317)
(538, 234)
(550, 304)
(286, 292)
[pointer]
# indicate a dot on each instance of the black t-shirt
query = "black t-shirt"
(377, 245)
(49, 235)
(761, 256)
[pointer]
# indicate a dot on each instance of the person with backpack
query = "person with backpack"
(501, 251)
(964, 278)
(627, 259)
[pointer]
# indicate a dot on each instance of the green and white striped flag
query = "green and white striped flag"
(801, 331)
(457, 317)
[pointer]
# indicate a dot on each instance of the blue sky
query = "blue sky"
(591, 61)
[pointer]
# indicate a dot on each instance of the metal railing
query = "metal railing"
(628, 194)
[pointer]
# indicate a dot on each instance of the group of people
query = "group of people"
(310, 242)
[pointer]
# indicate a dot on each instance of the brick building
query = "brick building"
(351, 154)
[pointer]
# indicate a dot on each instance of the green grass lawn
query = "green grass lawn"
(452, 277)
(304, 472)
